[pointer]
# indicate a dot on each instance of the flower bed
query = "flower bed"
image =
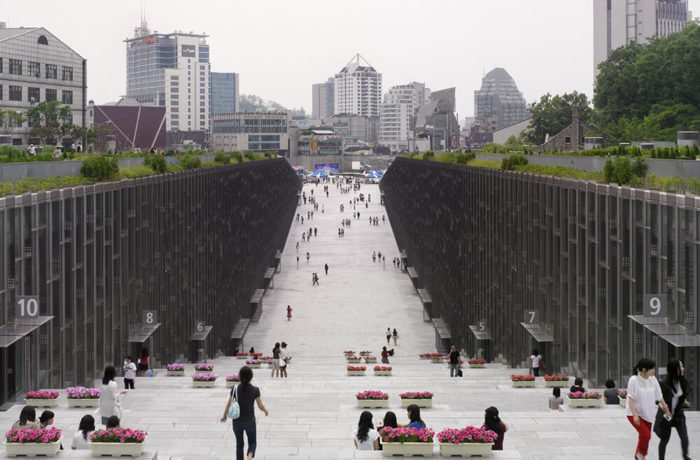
(83, 397)
(437, 358)
(117, 442)
(354, 359)
(41, 398)
(556, 380)
(204, 380)
(356, 370)
(407, 441)
(231, 380)
(46, 441)
(584, 399)
(348, 353)
(419, 398)
(466, 442)
(622, 394)
(253, 363)
(522, 381)
(382, 370)
(176, 370)
(372, 399)
(242, 355)
(267, 359)
(365, 353)
(430, 355)
(476, 362)
(256, 355)
(203, 367)
(370, 359)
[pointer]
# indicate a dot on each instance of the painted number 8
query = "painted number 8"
(655, 305)
(149, 318)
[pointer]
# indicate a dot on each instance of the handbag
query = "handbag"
(234, 410)
(283, 363)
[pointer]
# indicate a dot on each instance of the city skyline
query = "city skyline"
(545, 46)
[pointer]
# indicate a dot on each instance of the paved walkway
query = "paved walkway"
(313, 413)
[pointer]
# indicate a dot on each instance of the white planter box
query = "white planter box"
(356, 373)
(584, 403)
(372, 403)
(465, 449)
(243, 357)
(407, 449)
(356, 362)
(84, 402)
(254, 366)
(382, 373)
(202, 384)
(41, 402)
(117, 449)
(418, 402)
(476, 365)
(556, 383)
(176, 373)
(13, 449)
(526, 384)
(231, 383)
(623, 402)
(202, 371)
(370, 360)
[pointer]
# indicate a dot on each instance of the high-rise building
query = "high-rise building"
(224, 93)
(171, 70)
(36, 66)
(357, 89)
(499, 103)
(435, 124)
(399, 106)
(322, 100)
(618, 23)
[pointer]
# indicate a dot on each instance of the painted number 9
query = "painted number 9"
(655, 306)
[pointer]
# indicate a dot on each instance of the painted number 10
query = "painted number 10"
(27, 307)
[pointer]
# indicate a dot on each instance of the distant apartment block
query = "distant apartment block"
(254, 131)
(171, 70)
(499, 103)
(224, 93)
(357, 89)
(322, 97)
(617, 23)
(399, 106)
(36, 66)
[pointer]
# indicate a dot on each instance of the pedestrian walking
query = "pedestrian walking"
(374, 256)
(109, 398)
(315, 231)
(536, 363)
(284, 359)
(308, 256)
(388, 335)
(453, 356)
(395, 335)
(129, 369)
(142, 363)
(674, 389)
(643, 392)
(385, 355)
(289, 313)
(326, 268)
(244, 395)
(297, 246)
(276, 360)
(314, 279)
(303, 237)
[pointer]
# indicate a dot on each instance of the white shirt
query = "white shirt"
(130, 370)
(645, 393)
(79, 442)
(108, 399)
(536, 360)
(367, 444)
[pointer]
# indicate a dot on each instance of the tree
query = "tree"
(49, 120)
(553, 113)
(10, 119)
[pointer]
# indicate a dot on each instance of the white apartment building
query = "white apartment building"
(357, 89)
(617, 23)
(400, 104)
(322, 96)
(36, 66)
(171, 70)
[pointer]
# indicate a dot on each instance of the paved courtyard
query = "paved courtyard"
(313, 412)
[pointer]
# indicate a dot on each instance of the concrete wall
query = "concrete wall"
(12, 172)
(662, 168)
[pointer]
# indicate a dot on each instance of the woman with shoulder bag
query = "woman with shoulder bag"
(675, 390)
(242, 398)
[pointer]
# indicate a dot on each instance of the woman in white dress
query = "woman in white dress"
(80, 438)
(109, 399)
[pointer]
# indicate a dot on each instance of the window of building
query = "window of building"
(67, 97)
(51, 71)
(15, 93)
(1, 65)
(67, 73)
(0, 92)
(50, 95)
(42, 40)
(33, 95)
(15, 67)
(34, 69)
(567, 140)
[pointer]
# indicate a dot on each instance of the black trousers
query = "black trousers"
(665, 435)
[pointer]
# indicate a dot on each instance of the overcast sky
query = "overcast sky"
(281, 47)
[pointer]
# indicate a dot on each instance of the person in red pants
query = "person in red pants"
(289, 313)
(643, 390)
